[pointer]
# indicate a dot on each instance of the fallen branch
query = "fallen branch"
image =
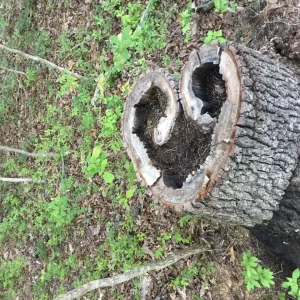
(17, 180)
(37, 154)
(40, 60)
(142, 270)
(144, 15)
(13, 71)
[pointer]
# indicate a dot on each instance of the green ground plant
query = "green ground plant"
(11, 272)
(293, 284)
(222, 6)
(214, 36)
(255, 275)
(188, 273)
(186, 21)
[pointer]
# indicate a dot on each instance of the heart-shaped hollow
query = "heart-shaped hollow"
(179, 138)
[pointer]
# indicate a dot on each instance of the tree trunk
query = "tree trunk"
(223, 144)
(282, 233)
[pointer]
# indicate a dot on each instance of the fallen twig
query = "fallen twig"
(136, 272)
(11, 70)
(17, 180)
(41, 60)
(32, 154)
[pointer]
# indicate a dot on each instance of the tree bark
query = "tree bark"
(282, 233)
(266, 145)
(252, 137)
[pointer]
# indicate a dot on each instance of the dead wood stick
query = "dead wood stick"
(136, 272)
(32, 154)
(17, 180)
(41, 60)
(13, 71)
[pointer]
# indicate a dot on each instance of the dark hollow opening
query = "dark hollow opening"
(208, 85)
(184, 152)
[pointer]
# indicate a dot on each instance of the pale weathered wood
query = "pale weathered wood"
(40, 60)
(136, 272)
(135, 147)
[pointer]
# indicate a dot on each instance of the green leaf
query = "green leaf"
(296, 274)
(222, 40)
(96, 152)
(218, 33)
(286, 284)
(208, 40)
(159, 252)
(234, 6)
(256, 283)
(126, 33)
(265, 282)
(281, 296)
(103, 165)
(129, 194)
(114, 40)
(108, 177)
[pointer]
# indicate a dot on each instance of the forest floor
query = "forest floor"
(91, 218)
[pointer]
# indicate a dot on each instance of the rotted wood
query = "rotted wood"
(222, 144)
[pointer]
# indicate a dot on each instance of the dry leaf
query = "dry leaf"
(182, 293)
(231, 254)
(94, 55)
(71, 65)
(71, 248)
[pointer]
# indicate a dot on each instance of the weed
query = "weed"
(10, 273)
(188, 273)
(292, 283)
(185, 21)
(31, 76)
(214, 36)
(184, 220)
(221, 6)
(254, 275)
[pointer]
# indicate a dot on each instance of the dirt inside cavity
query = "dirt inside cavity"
(185, 150)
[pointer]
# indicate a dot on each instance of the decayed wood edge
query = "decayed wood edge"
(40, 60)
(136, 272)
(191, 104)
(225, 131)
(135, 148)
(197, 186)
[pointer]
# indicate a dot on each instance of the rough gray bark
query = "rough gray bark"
(266, 147)
(282, 233)
(254, 146)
